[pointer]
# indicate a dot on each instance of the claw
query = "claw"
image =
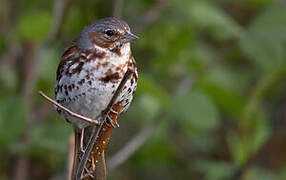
(80, 154)
(114, 112)
(110, 122)
(117, 125)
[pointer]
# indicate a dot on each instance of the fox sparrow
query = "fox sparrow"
(88, 75)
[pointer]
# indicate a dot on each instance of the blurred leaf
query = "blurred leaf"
(213, 170)
(200, 141)
(225, 85)
(195, 110)
(211, 18)
(34, 26)
(148, 107)
(148, 86)
(155, 151)
(13, 119)
(264, 42)
(260, 2)
(197, 58)
(243, 146)
(47, 73)
(75, 22)
(282, 172)
(51, 136)
(227, 77)
(2, 43)
(256, 173)
(167, 46)
(8, 77)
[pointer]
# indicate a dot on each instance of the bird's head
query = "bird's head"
(108, 33)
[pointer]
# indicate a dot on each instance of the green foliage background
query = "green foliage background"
(211, 89)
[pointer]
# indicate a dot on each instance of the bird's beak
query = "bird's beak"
(128, 37)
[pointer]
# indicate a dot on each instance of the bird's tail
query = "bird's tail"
(95, 167)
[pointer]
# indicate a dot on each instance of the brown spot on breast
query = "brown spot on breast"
(117, 51)
(98, 55)
(81, 81)
(132, 64)
(57, 88)
(101, 55)
(110, 76)
(78, 69)
(61, 88)
(105, 64)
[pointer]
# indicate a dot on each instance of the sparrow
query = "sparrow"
(89, 73)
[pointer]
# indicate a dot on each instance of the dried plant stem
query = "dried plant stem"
(92, 121)
(70, 157)
(96, 130)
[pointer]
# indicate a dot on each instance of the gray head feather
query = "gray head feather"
(101, 25)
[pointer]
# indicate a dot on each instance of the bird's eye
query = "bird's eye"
(109, 33)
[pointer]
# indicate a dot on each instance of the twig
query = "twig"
(92, 121)
(60, 10)
(130, 148)
(70, 157)
(96, 130)
(29, 76)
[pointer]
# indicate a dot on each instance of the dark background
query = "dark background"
(210, 102)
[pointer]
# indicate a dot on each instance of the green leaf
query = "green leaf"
(147, 85)
(148, 106)
(8, 77)
(195, 110)
(257, 173)
(13, 119)
(213, 170)
(225, 86)
(242, 147)
(214, 20)
(264, 42)
(51, 136)
(260, 2)
(34, 26)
